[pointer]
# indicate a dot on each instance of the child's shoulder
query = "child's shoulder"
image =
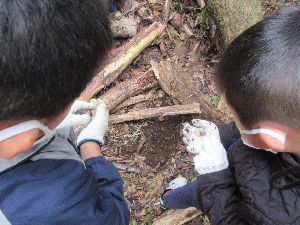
(47, 187)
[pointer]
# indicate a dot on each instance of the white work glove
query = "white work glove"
(95, 130)
(203, 139)
(78, 116)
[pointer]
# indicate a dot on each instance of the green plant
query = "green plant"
(214, 100)
(179, 6)
(204, 18)
(134, 222)
(149, 219)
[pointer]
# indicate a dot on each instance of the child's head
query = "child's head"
(49, 52)
(259, 75)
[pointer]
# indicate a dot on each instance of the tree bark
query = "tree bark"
(232, 17)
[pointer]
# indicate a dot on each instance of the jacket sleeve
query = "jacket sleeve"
(229, 133)
(110, 188)
(218, 197)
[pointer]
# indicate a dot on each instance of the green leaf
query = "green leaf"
(204, 18)
(134, 222)
(214, 100)
(143, 212)
(174, 58)
(149, 219)
(173, 32)
(179, 7)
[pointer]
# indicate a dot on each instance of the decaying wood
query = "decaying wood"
(183, 86)
(121, 58)
(123, 27)
(174, 110)
(178, 217)
(178, 23)
(128, 88)
(150, 96)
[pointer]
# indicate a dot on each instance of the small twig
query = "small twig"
(127, 168)
(150, 96)
(167, 11)
(141, 144)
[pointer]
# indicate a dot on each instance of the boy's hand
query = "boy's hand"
(203, 139)
(78, 115)
(95, 131)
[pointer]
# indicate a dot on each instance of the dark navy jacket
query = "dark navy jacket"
(258, 188)
(50, 185)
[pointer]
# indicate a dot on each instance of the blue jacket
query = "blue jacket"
(50, 185)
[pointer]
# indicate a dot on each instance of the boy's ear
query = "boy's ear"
(271, 142)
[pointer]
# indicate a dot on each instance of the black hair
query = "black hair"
(49, 51)
(259, 72)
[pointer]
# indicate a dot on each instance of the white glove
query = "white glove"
(78, 115)
(95, 131)
(203, 139)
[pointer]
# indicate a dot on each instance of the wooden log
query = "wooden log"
(128, 88)
(156, 112)
(178, 217)
(183, 87)
(120, 59)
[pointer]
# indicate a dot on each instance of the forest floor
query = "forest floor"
(151, 151)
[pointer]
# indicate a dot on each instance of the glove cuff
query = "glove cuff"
(214, 168)
(89, 140)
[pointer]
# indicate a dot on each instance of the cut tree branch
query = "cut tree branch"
(174, 110)
(129, 88)
(122, 57)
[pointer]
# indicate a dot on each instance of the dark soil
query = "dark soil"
(163, 141)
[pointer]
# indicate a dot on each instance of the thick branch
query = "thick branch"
(123, 57)
(128, 88)
(156, 112)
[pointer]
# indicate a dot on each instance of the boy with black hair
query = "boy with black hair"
(256, 180)
(49, 52)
